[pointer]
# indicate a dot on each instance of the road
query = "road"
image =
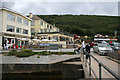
(114, 66)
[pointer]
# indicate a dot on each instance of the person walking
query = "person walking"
(83, 47)
(87, 48)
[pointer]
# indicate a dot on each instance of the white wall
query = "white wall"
(16, 24)
(0, 29)
(0, 21)
(0, 42)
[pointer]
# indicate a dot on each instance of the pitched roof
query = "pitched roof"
(34, 17)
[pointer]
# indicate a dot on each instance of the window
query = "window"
(18, 30)
(19, 19)
(47, 26)
(117, 45)
(55, 37)
(10, 28)
(45, 30)
(41, 30)
(32, 23)
(25, 22)
(32, 30)
(41, 23)
(50, 27)
(25, 31)
(49, 30)
(10, 17)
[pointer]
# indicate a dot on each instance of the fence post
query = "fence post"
(83, 53)
(99, 71)
(85, 61)
(89, 65)
(83, 57)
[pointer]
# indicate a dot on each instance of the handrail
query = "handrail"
(100, 65)
(92, 70)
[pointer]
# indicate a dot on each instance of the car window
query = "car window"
(103, 45)
(117, 45)
(111, 44)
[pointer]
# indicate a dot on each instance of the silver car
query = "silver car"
(115, 45)
(102, 48)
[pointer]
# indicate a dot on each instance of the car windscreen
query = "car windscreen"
(103, 45)
(117, 45)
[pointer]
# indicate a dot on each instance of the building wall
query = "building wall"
(0, 21)
(56, 35)
(44, 27)
(0, 29)
(16, 24)
(36, 26)
(7, 34)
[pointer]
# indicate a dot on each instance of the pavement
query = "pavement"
(114, 66)
(48, 59)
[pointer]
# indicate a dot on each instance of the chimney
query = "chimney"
(30, 15)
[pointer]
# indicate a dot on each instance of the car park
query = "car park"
(102, 48)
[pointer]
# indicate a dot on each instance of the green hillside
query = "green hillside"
(83, 24)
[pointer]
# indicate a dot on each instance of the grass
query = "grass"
(28, 52)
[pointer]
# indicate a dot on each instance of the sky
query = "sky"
(62, 7)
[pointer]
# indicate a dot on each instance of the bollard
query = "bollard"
(99, 71)
(89, 66)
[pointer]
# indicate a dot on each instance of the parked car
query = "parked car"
(95, 47)
(115, 46)
(102, 48)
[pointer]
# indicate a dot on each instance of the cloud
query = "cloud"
(8, 4)
(75, 8)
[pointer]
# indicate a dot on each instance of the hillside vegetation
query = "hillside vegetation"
(83, 24)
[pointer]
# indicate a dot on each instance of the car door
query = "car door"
(95, 47)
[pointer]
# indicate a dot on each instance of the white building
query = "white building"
(15, 28)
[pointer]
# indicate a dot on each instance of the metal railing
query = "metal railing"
(100, 65)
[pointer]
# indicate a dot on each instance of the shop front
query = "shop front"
(14, 42)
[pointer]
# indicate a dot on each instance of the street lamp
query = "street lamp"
(86, 37)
